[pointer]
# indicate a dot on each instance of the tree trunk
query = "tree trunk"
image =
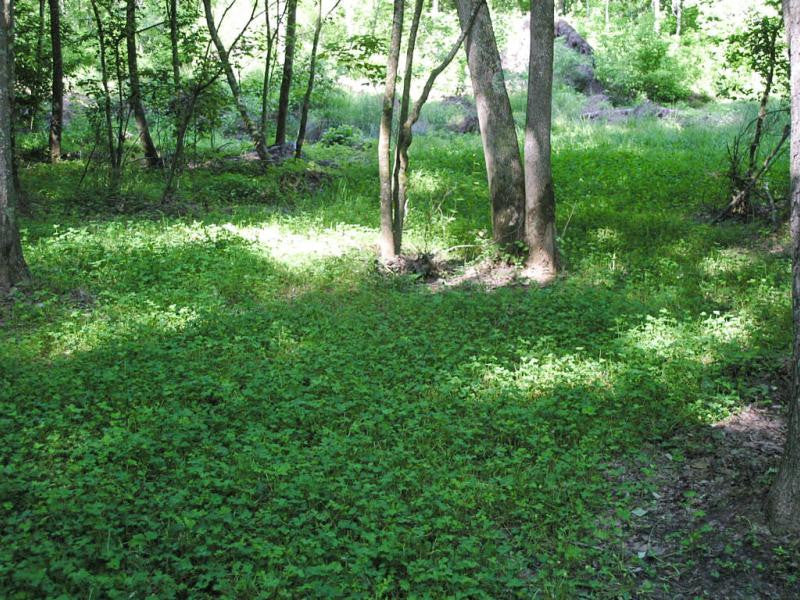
(13, 269)
(172, 15)
(406, 131)
(267, 81)
(400, 177)
(312, 70)
(386, 241)
(608, 17)
(677, 9)
(540, 205)
(288, 66)
(57, 115)
(40, 74)
(783, 505)
(498, 132)
(233, 83)
(657, 16)
(148, 147)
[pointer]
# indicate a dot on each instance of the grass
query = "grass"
(235, 403)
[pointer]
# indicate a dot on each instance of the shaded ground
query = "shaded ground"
(700, 532)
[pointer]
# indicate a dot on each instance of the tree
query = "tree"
(115, 143)
(409, 115)
(387, 243)
(784, 499)
(540, 206)
(57, 115)
(13, 269)
(312, 72)
(233, 82)
(288, 67)
(149, 148)
(498, 132)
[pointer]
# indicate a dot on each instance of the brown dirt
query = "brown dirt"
(701, 532)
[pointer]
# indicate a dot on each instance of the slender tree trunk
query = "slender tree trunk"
(175, 167)
(498, 132)
(148, 147)
(783, 505)
(608, 19)
(13, 269)
(312, 71)
(265, 87)
(540, 207)
(405, 134)
(233, 83)
(172, 14)
(657, 16)
(40, 74)
(399, 177)
(57, 115)
(386, 241)
(677, 9)
(288, 66)
(562, 7)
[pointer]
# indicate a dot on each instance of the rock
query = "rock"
(572, 38)
(468, 124)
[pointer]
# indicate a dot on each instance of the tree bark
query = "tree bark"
(267, 81)
(783, 506)
(233, 83)
(498, 132)
(386, 242)
(406, 132)
(400, 177)
(172, 15)
(148, 147)
(57, 114)
(40, 73)
(677, 9)
(13, 269)
(312, 71)
(657, 16)
(288, 67)
(540, 205)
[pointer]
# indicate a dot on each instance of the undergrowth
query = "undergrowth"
(231, 400)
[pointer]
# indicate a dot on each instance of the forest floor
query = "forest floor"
(227, 397)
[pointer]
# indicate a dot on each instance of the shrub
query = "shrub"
(343, 135)
(639, 62)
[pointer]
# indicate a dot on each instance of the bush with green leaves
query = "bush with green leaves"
(342, 135)
(639, 62)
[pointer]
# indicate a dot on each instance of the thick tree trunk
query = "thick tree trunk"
(288, 67)
(57, 114)
(13, 269)
(540, 207)
(233, 83)
(498, 132)
(386, 241)
(784, 499)
(148, 147)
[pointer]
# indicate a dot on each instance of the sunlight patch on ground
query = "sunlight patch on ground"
(669, 338)
(294, 248)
